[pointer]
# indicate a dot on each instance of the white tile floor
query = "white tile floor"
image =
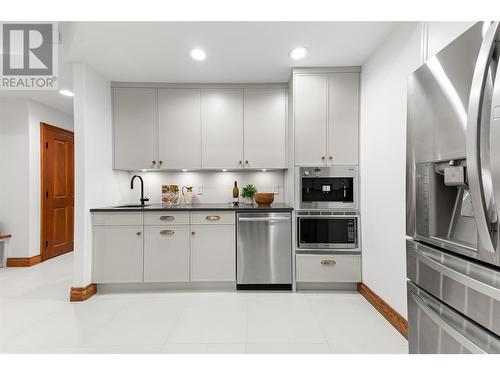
(36, 317)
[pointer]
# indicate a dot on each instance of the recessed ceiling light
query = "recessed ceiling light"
(198, 54)
(264, 170)
(298, 53)
(184, 170)
(224, 170)
(144, 170)
(66, 92)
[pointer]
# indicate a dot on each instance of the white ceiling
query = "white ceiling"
(236, 51)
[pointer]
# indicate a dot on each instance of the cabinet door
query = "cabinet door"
(179, 128)
(222, 128)
(264, 128)
(310, 119)
(135, 128)
(166, 254)
(117, 254)
(213, 253)
(343, 110)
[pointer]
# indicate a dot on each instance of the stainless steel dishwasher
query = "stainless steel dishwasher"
(264, 251)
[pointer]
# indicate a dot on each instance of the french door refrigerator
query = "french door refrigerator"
(453, 197)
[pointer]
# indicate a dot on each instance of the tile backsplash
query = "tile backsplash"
(216, 187)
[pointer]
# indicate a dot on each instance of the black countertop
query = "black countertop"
(197, 207)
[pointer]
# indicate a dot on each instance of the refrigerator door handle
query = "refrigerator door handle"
(470, 282)
(473, 138)
(495, 138)
(436, 318)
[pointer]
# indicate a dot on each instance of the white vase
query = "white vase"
(247, 200)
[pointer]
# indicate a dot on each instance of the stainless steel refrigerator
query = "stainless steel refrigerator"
(453, 197)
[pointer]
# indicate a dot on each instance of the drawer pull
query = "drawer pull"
(167, 218)
(328, 262)
(213, 217)
(167, 232)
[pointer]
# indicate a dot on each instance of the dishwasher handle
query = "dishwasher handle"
(265, 219)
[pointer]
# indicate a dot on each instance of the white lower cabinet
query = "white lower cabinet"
(118, 254)
(328, 268)
(167, 248)
(213, 255)
(166, 254)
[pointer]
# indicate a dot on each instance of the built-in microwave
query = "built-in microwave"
(327, 231)
(331, 188)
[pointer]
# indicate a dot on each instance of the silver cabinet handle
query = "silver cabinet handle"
(323, 157)
(167, 218)
(246, 162)
(193, 233)
(139, 233)
(421, 303)
(473, 138)
(167, 232)
(328, 262)
(153, 162)
(213, 217)
(330, 157)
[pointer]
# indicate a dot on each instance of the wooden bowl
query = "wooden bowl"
(264, 199)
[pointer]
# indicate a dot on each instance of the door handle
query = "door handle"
(270, 219)
(213, 218)
(167, 218)
(473, 138)
(328, 262)
(167, 232)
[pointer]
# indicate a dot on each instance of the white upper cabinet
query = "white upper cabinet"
(222, 128)
(440, 34)
(343, 111)
(310, 119)
(179, 128)
(205, 127)
(326, 111)
(135, 128)
(264, 128)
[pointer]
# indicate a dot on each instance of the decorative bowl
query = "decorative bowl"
(264, 199)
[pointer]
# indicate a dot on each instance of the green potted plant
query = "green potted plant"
(247, 193)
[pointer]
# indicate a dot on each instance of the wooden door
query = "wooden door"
(57, 183)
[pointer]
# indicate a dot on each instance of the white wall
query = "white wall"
(20, 164)
(383, 151)
(96, 184)
(217, 186)
(14, 176)
(40, 113)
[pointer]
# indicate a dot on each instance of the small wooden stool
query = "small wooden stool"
(4, 251)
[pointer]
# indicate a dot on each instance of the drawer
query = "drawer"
(212, 217)
(117, 218)
(166, 218)
(328, 268)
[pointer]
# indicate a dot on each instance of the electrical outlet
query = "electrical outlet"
(199, 189)
(276, 189)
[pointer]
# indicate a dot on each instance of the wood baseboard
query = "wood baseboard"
(24, 262)
(392, 316)
(82, 294)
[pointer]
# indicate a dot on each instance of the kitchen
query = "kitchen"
(252, 210)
